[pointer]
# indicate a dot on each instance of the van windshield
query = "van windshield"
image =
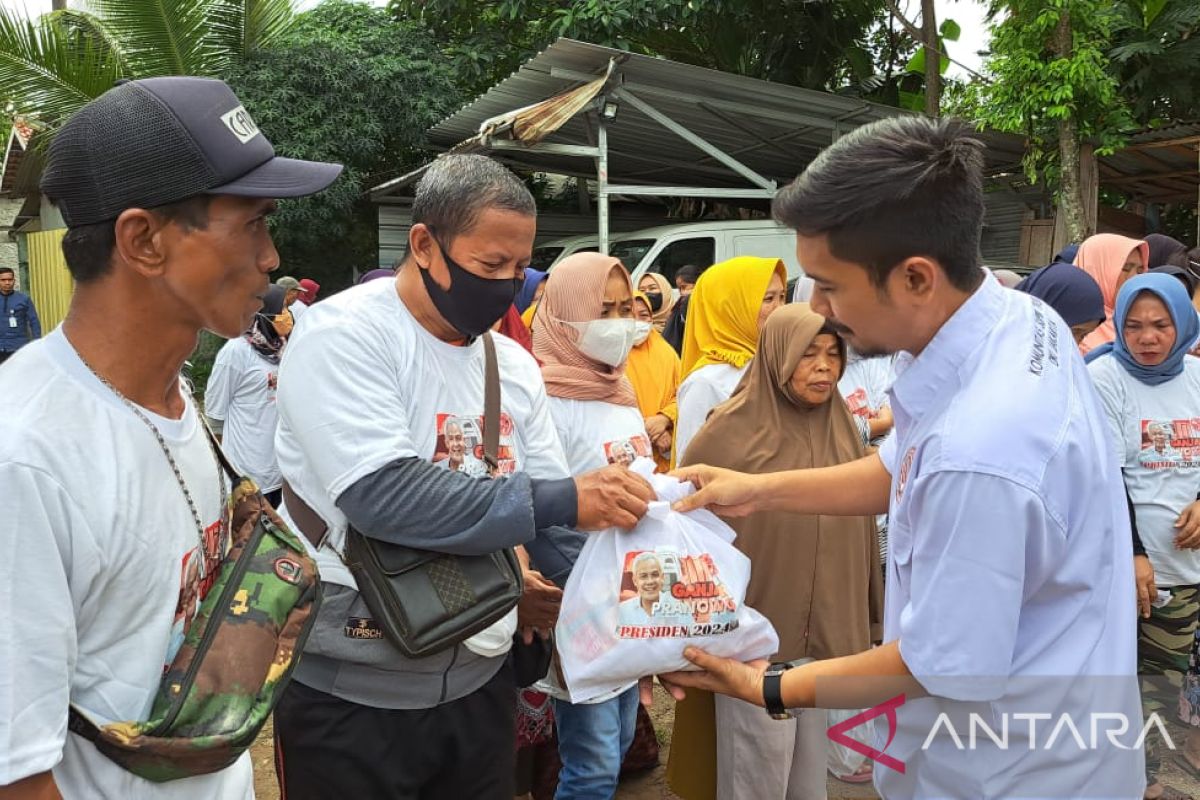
(630, 251)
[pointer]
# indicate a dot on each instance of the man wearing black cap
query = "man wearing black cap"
(111, 488)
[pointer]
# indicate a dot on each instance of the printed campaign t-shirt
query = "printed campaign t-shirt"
(864, 385)
(700, 393)
(101, 570)
(392, 390)
(1156, 433)
(595, 434)
(241, 392)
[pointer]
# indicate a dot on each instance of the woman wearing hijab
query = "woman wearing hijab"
(1165, 251)
(529, 294)
(1070, 291)
(816, 579)
(727, 309)
(1150, 389)
(583, 334)
(660, 296)
(653, 369)
(239, 399)
(1111, 260)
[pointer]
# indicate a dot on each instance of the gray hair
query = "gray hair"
(456, 189)
(644, 557)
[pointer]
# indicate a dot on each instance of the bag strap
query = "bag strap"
(234, 475)
(491, 404)
(77, 723)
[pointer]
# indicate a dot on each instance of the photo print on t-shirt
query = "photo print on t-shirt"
(1170, 444)
(857, 402)
(666, 594)
(459, 446)
(624, 451)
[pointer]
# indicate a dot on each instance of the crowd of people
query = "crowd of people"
(931, 485)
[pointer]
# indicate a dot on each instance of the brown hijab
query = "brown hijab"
(816, 578)
(575, 293)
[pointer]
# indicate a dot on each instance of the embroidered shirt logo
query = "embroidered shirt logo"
(240, 124)
(902, 477)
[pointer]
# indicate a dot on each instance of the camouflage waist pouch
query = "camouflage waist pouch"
(236, 658)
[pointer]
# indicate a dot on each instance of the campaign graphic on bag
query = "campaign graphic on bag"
(1170, 444)
(459, 445)
(624, 451)
(665, 594)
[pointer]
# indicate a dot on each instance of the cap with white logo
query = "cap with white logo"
(155, 141)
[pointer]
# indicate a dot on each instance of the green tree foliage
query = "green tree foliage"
(1156, 56)
(347, 84)
(52, 65)
(1050, 80)
(818, 44)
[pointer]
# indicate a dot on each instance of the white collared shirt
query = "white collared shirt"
(1010, 580)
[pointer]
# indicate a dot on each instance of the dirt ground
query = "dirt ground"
(653, 785)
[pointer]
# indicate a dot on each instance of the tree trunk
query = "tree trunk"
(1071, 204)
(933, 59)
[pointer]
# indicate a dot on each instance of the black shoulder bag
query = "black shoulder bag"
(424, 601)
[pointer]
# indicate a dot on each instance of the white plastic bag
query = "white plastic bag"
(635, 600)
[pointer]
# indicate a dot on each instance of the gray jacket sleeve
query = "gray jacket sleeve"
(417, 504)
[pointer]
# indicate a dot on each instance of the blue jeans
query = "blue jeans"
(592, 740)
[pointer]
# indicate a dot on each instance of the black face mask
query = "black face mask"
(655, 299)
(472, 304)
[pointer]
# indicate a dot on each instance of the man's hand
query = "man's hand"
(663, 444)
(722, 491)
(537, 610)
(657, 425)
(646, 690)
(1143, 580)
(721, 675)
(612, 497)
(1187, 528)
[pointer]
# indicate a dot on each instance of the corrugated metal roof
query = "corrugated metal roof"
(772, 128)
(1159, 166)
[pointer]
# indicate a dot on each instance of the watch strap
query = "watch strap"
(773, 689)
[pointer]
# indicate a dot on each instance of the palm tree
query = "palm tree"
(51, 66)
(1156, 55)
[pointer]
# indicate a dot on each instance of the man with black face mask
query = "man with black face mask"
(371, 389)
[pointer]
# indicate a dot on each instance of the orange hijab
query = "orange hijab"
(575, 293)
(1103, 256)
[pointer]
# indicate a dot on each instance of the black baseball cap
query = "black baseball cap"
(155, 141)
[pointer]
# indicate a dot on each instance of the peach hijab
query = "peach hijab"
(1103, 256)
(575, 293)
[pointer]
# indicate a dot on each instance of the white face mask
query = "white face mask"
(641, 332)
(606, 340)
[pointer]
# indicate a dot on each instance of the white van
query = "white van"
(666, 248)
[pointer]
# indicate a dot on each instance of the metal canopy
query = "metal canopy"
(678, 129)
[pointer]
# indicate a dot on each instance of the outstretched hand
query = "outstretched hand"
(726, 676)
(722, 491)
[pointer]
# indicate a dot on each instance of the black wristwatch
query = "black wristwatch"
(773, 690)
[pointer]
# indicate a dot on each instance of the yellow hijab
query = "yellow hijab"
(722, 315)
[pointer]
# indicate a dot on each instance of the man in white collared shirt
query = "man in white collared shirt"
(1010, 597)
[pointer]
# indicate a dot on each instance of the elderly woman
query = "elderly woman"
(1150, 389)
(817, 579)
(583, 331)
(1111, 260)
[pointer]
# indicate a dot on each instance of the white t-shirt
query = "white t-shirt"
(297, 308)
(700, 393)
(241, 392)
(1156, 433)
(362, 384)
(595, 434)
(864, 385)
(99, 570)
